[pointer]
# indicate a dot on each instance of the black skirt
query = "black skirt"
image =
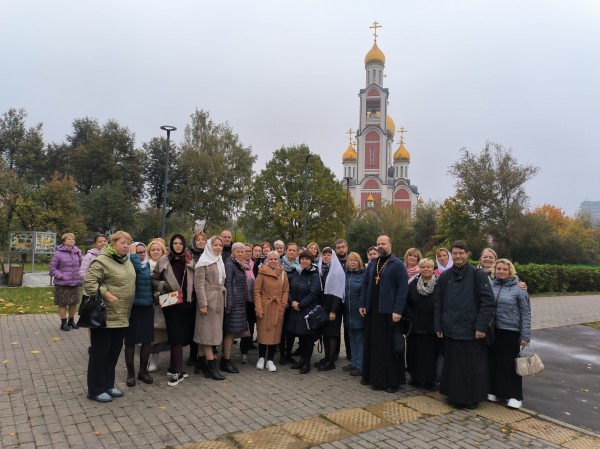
(141, 325)
(422, 351)
(180, 320)
(505, 383)
(465, 378)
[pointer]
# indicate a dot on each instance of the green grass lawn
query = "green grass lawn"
(595, 325)
(23, 300)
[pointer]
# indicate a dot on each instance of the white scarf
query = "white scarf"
(145, 261)
(442, 268)
(208, 258)
(335, 284)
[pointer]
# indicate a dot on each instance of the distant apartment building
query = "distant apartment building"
(593, 209)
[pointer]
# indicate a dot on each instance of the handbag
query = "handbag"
(159, 318)
(170, 299)
(92, 312)
(528, 365)
(316, 318)
(401, 330)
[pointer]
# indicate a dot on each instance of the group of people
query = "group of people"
(220, 291)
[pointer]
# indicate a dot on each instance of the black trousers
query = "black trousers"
(246, 342)
(105, 349)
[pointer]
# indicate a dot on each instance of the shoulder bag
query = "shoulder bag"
(316, 318)
(528, 365)
(92, 312)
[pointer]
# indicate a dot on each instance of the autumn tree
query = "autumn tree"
(275, 206)
(492, 183)
(425, 226)
(215, 171)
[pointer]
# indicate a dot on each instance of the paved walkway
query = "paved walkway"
(43, 403)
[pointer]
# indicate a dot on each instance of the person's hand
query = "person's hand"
(396, 317)
(479, 335)
(204, 311)
(524, 343)
(440, 334)
(331, 316)
(132, 249)
(523, 285)
(110, 297)
(259, 316)
(296, 306)
(362, 311)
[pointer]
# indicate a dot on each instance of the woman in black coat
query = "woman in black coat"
(305, 289)
(423, 346)
(235, 322)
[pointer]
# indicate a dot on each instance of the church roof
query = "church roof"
(350, 154)
(375, 56)
(391, 126)
(401, 153)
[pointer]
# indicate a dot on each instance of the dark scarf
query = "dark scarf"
(195, 252)
(459, 272)
(183, 255)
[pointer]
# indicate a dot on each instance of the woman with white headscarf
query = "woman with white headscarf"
(209, 281)
(333, 286)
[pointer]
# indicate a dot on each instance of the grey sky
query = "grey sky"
(522, 73)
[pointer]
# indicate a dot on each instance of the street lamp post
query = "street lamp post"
(305, 200)
(163, 227)
(347, 178)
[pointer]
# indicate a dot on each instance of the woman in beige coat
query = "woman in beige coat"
(209, 281)
(271, 291)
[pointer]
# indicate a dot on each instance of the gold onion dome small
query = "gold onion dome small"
(391, 126)
(421, 200)
(401, 153)
(350, 154)
(375, 56)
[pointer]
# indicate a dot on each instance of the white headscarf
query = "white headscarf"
(442, 268)
(145, 261)
(208, 258)
(335, 284)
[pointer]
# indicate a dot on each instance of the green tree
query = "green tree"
(215, 171)
(275, 207)
(425, 226)
(22, 148)
(11, 188)
(109, 208)
(492, 184)
(154, 171)
(396, 224)
(363, 232)
(457, 223)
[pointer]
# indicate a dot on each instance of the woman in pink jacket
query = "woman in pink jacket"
(65, 270)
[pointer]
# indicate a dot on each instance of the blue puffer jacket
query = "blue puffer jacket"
(143, 282)
(513, 312)
(237, 292)
(306, 289)
(354, 281)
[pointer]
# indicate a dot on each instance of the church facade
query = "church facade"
(375, 171)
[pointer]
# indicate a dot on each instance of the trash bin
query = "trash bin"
(15, 276)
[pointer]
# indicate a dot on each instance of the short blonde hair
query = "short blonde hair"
(512, 271)
(66, 235)
(160, 244)
(356, 256)
(426, 260)
(412, 252)
(118, 236)
(489, 250)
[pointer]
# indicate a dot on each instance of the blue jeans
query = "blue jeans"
(357, 341)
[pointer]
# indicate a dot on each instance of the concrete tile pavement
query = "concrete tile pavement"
(43, 403)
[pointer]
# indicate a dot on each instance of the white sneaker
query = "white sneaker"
(176, 379)
(153, 363)
(244, 359)
(513, 403)
(261, 363)
(271, 366)
(492, 398)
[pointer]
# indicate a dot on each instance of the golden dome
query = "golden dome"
(375, 56)
(370, 197)
(401, 153)
(391, 126)
(349, 155)
(421, 200)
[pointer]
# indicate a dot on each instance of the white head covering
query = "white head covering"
(448, 265)
(208, 258)
(335, 284)
(146, 259)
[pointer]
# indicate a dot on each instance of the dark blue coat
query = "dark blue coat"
(392, 290)
(144, 296)
(305, 288)
(354, 282)
(237, 293)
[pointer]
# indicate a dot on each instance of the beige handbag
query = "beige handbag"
(529, 365)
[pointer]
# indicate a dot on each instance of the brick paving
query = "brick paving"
(43, 402)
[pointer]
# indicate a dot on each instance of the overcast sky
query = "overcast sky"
(522, 73)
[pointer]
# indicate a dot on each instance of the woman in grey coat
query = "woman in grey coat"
(513, 330)
(209, 282)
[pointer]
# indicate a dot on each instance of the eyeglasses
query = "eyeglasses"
(140, 252)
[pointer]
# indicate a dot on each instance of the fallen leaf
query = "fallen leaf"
(97, 433)
(35, 351)
(5, 361)
(503, 430)
(568, 413)
(56, 338)
(162, 407)
(14, 342)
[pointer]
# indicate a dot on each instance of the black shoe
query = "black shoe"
(283, 361)
(213, 371)
(364, 382)
(72, 324)
(327, 366)
(355, 372)
(319, 363)
(348, 367)
(253, 346)
(299, 364)
(305, 367)
(228, 367)
(130, 382)
(290, 359)
(64, 326)
(145, 377)
(391, 389)
(201, 366)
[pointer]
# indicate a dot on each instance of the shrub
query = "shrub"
(559, 278)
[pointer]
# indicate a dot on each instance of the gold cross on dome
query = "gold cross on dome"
(374, 27)
(350, 132)
(402, 131)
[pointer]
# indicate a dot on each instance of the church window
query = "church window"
(372, 156)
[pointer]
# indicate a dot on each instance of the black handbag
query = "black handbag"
(316, 318)
(402, 330)
(92, 312)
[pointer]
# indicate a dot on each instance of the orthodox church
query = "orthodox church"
(375, 171)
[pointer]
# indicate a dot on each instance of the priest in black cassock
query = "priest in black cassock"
(383, 298)
(464, 306)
